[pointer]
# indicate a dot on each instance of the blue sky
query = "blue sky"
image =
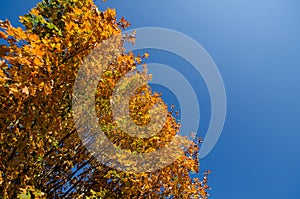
(256, 47)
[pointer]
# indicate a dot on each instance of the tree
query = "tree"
(41, 154)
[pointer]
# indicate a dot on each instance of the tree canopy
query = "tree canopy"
(41, 153)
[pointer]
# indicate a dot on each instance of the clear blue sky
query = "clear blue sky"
(256, 47)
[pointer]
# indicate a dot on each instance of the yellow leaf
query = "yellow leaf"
(13, 89)
(34, 12)
(41, 85)
(77, 11)
(11, 31)
(24, 61)
(2, 77)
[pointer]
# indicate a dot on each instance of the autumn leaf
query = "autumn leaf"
(3, 35)
(25, 90)
(77, 11)
(146, 55)
(13, 90)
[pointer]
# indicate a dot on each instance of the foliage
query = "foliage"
(41, 155)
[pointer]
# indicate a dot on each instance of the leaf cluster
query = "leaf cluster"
(41, 154)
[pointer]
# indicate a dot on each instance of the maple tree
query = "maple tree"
(41, 153)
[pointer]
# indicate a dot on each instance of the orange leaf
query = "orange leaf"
(3, 35)
(77, 11)
(37, 62)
